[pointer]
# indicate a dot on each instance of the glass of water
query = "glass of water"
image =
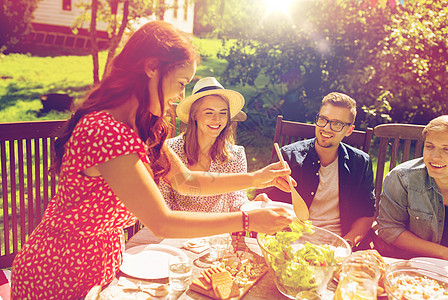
(219, 245)
(180, 270)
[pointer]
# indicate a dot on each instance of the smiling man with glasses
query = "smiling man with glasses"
(334, 179)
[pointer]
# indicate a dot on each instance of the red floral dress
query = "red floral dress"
(79, 242)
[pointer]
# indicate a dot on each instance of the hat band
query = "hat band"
(208, 88)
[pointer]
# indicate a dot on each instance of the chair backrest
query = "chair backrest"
(287, 132)
(26, 183)
(398, 143)
(180, 126)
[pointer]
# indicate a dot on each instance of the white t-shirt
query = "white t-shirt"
(324, 210)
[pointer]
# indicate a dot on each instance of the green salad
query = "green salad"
(293, 264)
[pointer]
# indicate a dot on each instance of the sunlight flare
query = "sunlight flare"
(273, 6)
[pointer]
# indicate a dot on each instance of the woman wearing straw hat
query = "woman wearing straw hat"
(208, 145)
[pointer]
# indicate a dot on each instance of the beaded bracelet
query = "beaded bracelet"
(245, 221)
(239, 234)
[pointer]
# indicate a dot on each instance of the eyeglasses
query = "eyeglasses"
(336, 126)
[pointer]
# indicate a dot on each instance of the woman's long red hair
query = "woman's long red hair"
(168, 48)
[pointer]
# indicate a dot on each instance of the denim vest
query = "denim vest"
(411, 201)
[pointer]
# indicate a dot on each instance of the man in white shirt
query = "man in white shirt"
(334, 179)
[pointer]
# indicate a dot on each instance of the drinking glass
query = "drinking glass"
(359, 278)
(180, 270)
(219, 245)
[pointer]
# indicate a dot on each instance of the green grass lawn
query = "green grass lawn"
(23, 78)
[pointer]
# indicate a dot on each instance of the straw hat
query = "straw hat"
(209, 86)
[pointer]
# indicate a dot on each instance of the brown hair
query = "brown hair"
(220, 150)
(341, 100)
(156, 41)
(439, 124)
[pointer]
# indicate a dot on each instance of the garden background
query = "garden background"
(283, 56)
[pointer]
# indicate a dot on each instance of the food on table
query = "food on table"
(215, 282)
(207, 274)
(222, 284)
(242, 269)
(408, 286)
(303, 258)
(202, 283)
(382, 265)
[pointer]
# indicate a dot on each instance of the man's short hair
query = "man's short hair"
(341, 100)
(439, 124)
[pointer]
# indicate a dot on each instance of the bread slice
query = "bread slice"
(207, 274)
(223, 285)
(202, 283)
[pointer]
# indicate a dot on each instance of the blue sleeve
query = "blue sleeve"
(392, 216)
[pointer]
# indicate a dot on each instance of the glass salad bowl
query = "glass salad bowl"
(303, 257)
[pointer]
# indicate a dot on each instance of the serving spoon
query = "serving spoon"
(300, 208)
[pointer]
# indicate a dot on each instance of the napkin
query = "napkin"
(129, 288)
(196, 245)
(122, 293)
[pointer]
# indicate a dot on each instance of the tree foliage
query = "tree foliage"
(221, 18)
(118, 21)
(411, 66)
(15, 21)
(391, 60)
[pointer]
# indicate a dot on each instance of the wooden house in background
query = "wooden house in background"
(53, 21)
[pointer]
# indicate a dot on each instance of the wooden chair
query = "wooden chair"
(26, 183)
(287, 132)
(398, 143)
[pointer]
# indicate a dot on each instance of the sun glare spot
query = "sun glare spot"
(273, 6)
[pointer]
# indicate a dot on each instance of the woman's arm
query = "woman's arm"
(237, 164)
(133, 185)
(205, 183)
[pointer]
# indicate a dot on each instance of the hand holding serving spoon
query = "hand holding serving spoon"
(300, 208)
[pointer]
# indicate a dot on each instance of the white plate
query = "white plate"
(149, 261)
(251, 205)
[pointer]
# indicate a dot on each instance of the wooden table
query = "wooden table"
(264, 289)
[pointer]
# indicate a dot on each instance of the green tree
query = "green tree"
(15, 21)
(220, 18)
(392, 60)
(411, 65)
(296, 60)
(117, 20)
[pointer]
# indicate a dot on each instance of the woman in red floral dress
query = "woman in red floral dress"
(110, 158)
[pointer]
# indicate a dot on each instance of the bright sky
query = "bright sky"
(278, 6)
